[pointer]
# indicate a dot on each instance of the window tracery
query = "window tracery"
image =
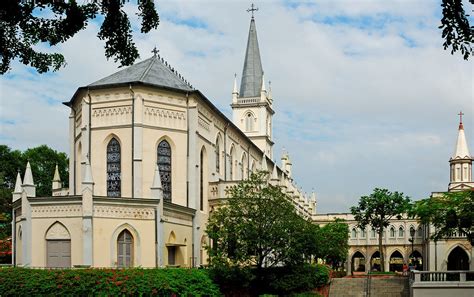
(164, 165)
(113, 168)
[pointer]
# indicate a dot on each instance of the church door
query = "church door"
(125, 249)
(59, 253)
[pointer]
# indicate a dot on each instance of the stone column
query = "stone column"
(138, 147)
(87, 214)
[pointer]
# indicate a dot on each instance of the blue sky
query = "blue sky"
(365, 96)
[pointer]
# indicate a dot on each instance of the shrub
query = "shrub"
(106, 282)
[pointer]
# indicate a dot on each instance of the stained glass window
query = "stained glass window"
(201, 182)
(164, 165)
(113, 168)
(125, 249)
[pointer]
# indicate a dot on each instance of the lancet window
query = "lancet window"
(125, 249)
(164, 165)
(218, 159)
(113, 168)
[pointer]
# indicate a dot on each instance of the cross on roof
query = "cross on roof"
(155, 51)
(252, 9)
(460, 114)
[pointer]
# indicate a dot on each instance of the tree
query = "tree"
(458, 34)
(448, 213)
(25, 24)
(377, 210)
(333, 242)
(257, 226)
(43, 161)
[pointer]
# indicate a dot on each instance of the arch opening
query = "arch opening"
(396, 261)
(358, 262)
(458, 259)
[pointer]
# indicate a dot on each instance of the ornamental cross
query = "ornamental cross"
(155, 51)
(252, 9)
(460, 114)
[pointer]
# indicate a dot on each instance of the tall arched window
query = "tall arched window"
(231, 163)
(218, 157)
(164, 165)
(125, 249)
(201, 182)
(401, 232)
(354, 233)
(249, 119)
(362, 233)
(113, 168)
(392, 232)
(373, 233)
(244, 166)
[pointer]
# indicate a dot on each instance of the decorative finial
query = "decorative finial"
(460, 114)
(155, 51)
(252, 9)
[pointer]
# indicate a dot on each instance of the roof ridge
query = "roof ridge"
(148, 68)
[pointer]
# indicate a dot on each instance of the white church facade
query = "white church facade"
(150, 157)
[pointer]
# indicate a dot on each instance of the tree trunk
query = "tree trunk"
(382, 257)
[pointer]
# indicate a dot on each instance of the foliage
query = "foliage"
(333, 242)
(448, 213)
(282, 280)
(43, 161)
(377, 210)
(27, 24)
(257, 226)
(458, 34)
(106, 282)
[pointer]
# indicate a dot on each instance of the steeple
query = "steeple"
(28, 183)
(56, 179)
(17, 190)
(235, 93)
(252, 75)
(461, 163)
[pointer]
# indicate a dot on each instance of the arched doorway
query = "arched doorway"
(416, 260)
(458, 259)
(375, 261)
(358, 262)
(396, 261)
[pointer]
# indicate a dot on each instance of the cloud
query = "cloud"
(364, 94)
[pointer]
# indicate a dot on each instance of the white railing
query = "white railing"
(442, 276)
(248, 100)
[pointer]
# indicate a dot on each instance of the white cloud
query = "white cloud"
(368, 99)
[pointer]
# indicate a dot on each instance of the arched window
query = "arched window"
(125, 249)
(401, 232)
(201, 182)
(249, 119)
(392, 232)
(363, 233)
(420, 232)
(231, 163)
(218, 157)
(354, 233)
(113, 168)
(244, 166)
(164, 165)
(373, 233)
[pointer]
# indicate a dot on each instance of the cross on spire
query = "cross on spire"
(155, 51)
(252, 9)
(460, 114)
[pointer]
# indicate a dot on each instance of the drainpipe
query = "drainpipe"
(187, 148)
(74, 151)
(133, 140)
(90, 126)
(225, 151)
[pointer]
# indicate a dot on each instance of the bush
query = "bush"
(235, 281)
(106, 282)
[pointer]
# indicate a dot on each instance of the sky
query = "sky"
(364, 94)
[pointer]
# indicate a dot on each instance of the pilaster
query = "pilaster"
(138, 147)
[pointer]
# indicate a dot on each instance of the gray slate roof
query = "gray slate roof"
(252, 74)
(150, 71)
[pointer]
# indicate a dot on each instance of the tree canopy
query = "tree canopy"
(378, 209)
(457, 32)
(448, 213)
(27, 24)
(257, 226)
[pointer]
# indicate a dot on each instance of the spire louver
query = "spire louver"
(253, 72)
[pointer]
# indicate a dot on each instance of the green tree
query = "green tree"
(457, 33)
(377, 210)
(333, 242)
(26, 24)
(257, 226)
(448, 213)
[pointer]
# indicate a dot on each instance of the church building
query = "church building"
(150, 157)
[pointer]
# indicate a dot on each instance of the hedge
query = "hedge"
(106, 282)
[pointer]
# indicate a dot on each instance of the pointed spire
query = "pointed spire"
(270, 97)
(157, 179)
(235, 91)
(253, 71)
(56, 174)
(264, 163)
(18, 183)
(88, 174)
(263, 88)
(462, 150)
(275, 172)
(28, 178)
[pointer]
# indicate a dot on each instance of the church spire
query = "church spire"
(462, 150)
(253, 71)
(461, 163)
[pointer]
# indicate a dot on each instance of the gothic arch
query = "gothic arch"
(109, 137)
(203, 175)
(218, 153)
(458, 258)
(244, 167)
(358, 261)
(136, 244)
(168, 176)
(57, 231)
(250, 120)
(172, 237)
(455, 246)
(392, 231)
(358, 251)
(113, 159)
(402, 228)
